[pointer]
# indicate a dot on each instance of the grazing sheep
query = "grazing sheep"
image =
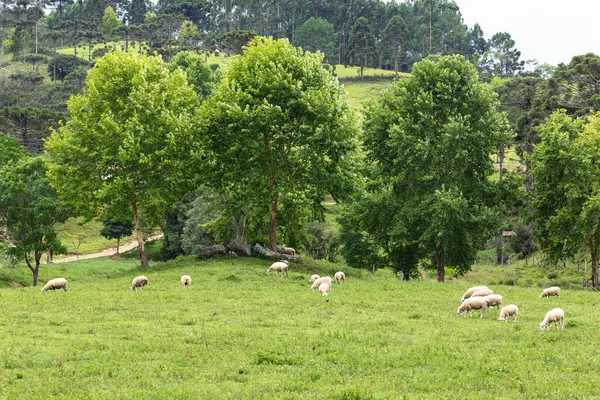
(314, 277)
(186, 281)
(556, 315)
(551, 291)
(494, 300)
(279, 266)
(473, 303)
(57, 283)
(482, 292)
(318, 282)
(508, 312)
(139, 282)
(324, 288)
(470, 292)
(289, 251)
(340, 276)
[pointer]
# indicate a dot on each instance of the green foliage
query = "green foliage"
(110, 21)
(393, 43)
(198, 73)
(361, 44)
(430, 140)
(29, 208)
(316, 35)
(501, 58)
(11, 150)
(567, 186)
(62, 65)
(279, 133)
(128, 148)
(114, 229)
(187, 33)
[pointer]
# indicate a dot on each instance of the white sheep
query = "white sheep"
(139, 282)
(339, 276)
(324, 288)
(470, 292)
(318, 282)
(556, 315)
(57, 283)
(314, 277)
(551, 291)
(288, 250)
(508, 312)
(186, 281)
(279, 266)
(473, 303)
(494, 300)
(482, 292)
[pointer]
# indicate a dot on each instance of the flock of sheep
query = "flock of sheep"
(482, 298)
(475, 298)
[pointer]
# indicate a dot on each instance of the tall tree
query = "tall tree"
(29, 207)
(316, 35)
(502, 58)
(127, 150)
(567, 187)
(361, 45)
(112, 229)
(137, 12)
(393, 43)
(198, 73)
(429, 140)
(279, 130)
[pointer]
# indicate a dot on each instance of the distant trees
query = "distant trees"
(113, 229)
(128, 147)
(361, 45)
(394, 42)
(316, 35)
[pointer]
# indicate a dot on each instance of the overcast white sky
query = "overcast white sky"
(551, 31)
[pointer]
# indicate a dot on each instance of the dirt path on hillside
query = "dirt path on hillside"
(107, 252)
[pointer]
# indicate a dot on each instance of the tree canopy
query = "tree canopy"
(128, 148)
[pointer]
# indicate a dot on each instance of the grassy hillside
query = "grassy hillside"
(375, 337)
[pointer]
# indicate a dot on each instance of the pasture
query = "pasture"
(376, 337)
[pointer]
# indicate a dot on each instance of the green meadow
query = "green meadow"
(240, 333)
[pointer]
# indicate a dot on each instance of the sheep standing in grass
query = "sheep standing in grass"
(470, 292)
(186, 281)
(551, 291)
(279, 266)
(556, 315)
(139, 282)
(473, 303)
(289, 251)
(339, 276)
(508, 312)
(314, 277)
(318, 282)
(494, 300)
(324, 288)
(57, 283)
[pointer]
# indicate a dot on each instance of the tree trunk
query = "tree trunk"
(439, 256)
(396, 65)
(594, 243)
(139, 235)
(273, 230)
(35, 270)
(118, 244)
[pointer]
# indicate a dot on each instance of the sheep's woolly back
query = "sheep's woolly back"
(494, 300)
(556, 315)
(280, 266)
(324, 288)
(339, 276)
(510, 310)
(314, 277)
(186, 281)
(318, 282)
(289, 251)
(482, 292)
(472, 290)
(551, 291)
(139, 282)
(56, 283)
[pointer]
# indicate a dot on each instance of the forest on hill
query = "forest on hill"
(140, 128)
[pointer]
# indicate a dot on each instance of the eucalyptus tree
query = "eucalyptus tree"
(128, 149)
(394, 41)
(278, 132)
(361, 46)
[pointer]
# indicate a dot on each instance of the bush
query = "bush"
(65, 64)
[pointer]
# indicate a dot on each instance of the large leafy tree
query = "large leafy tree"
(279, 131)
(501, 57)
(29, 208)
(361, 45)
(567, 187)
(429, 140)
(128, 149)
(316, 34)
(393, 43)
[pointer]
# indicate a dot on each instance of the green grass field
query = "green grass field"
(376, 337)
